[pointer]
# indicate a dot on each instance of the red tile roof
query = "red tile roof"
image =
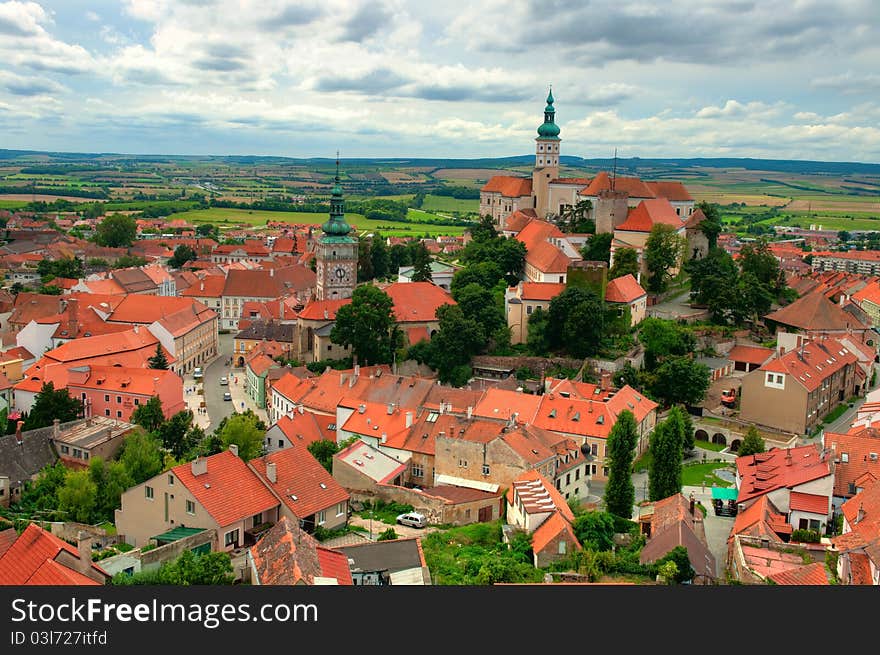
(756, 355)
(673, 191)
(502, 404)
(649, 213)
(140, 343)
(812, 503)
(541, 290)
(375, 421)
(7, 538)
(31, 560)
(536, 232)
(811, 574)
(303, 428)
(417, 302)
(624, 289)
(287, 555)
(815, 312)
(862, 512)
(508, 186)
(761, 519)
(538, 495)
(315, 309)
(147, 309)
(301, 482)
(858, 445)
(229, 490)
(547, 258)
(549, 529)
(632, 185)
(818, 360)
(334, 565)
(779, 468)
(210, 286)
(516, 221)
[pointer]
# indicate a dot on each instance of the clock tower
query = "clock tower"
(336, 254)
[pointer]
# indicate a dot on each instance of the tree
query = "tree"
(380, 257)
(598, 248)
(111, 480)
(50, 404)
(682, 571)
(242, 431)
(710, 226)
(752, 443)
(42, 493)
(457, 340)
(756, 258)
(78, 496)
(368, 325)
(214, 568)
(422, 264)
(142, 456)
(843, 236)
(576, 321)
(207, 230)
(678, 426)
(323, 451)
(484, 230)
(575, 218)
(477, 303)
(129, 261)
(689, 437)
(539, 342)
(173, 433)
(398, 255)
(680, 380)
(508, 254)
(149, 415)
(365, 261)
(182, 254)
(626, 262)
(116, 231)
(662, 253)
(69, 267)
(664, 469)
(387, 535)
(486, 274)
(619, 491)
(595, 530)
(158, 361)
(662, 338)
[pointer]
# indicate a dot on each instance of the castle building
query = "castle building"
(336, 253)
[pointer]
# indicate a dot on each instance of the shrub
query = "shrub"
(387, 535)
(806, 536)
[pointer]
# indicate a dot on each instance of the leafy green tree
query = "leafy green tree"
(42, 493)
(843, 236)
(111, 480)
(457, 340)
(387, 535)
(683, 571)
(78, 496)
(689, 443)
(752, 443)
(486, 274)
(323, 451)
(149, 415)
(598, 248)
(595, 530)
(663, 251)
(539, 341)
(129, 261)
(50, 404)
(182, 254)
(576, 218)
(142, 456)
(380, 257)
(116, 231)
(158, 361)
(576, 321)
(626, 262)
(710, 226)
(207, 230)
(368, 325)
(365, 261)
(214, 568)
(755, 298)
(422, 264)
(69, 267)
(478, 304)
(484, 230)
(50, 290)
(680, 380)
(756, 258)
(398, 256)
(662, 338)
(664, 469)
(622, 440)
(242, 431)
(508, 254)
(174, 431)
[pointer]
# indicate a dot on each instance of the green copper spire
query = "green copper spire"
(336, 226)
(549, 129)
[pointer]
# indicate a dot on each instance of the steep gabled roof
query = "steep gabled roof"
(509, 186)
(816, 361)
(634, 187)
(624, 289)
(553, 526)
(858, 445)
(287, 555)
(417, 302)
(810, 574)
(779, 468)
(815, 312)
(648, 213)
(673, 191)
(31, 560)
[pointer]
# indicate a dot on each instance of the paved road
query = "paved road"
(218, 409)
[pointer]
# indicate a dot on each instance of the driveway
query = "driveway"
(378, 527)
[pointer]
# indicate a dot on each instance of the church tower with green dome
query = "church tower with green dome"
(546, 158)
(336, 254)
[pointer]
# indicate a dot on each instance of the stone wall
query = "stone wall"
(437, 510)
(137, 560)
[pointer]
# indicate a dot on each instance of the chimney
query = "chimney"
(357, 369)
(56, 428)
(788, 456)
(390, 408)
(271, 473)
(861, 514)
(409, 419)
(692, 503)
(362, 408)
(73, 316)
(326, 314)
(18, 438)
(199, 466)
(352, 380)
(605, 381)
(233, 448)
(202, 286)
(135, 327)
(470, 412)
(84, 547)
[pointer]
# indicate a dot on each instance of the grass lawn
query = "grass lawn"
(12, 204)
(384, 512)
(835, 414)
(257, 218)
(696, 474)
(708, 445)
(448, 204)
(109, 527)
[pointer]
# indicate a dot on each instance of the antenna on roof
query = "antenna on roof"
(614, 170)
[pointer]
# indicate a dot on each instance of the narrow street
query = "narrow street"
(218, 409)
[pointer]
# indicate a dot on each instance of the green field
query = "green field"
(12, 204)
(447, 204)
(228, 217)
(827, 220)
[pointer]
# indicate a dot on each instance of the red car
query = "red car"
(728, 397)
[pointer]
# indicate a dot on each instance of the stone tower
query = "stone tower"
(546, 158)
(336, 254)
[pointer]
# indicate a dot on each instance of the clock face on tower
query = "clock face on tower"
(341, 274)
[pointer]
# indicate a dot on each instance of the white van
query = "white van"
(413, 519)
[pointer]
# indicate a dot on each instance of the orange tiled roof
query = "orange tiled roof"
(811, 574)
(147, 309)
(858, 445)
(632, 185)
(862, 512)
(30, 560)
(314, 310)
(761, 519)
(673, 191)
(301, 482)
(648, 213)
(778, 469)
(550, 528)
(538, 495)
(750, 354)
(502, 404)
(624, 289)
(541, 290)
(210, 286)
(547, 258)
(816, 361)
(537, 231)
(815, 312)
(303, 428)
(812, 503)
(508, 186)
(229, 491)
(417, 302)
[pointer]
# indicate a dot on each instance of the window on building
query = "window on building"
(281, 443)
(467, 513)
(562, 547)
(77, 452)
(485, 469)
(814, 524)
(340, 509)
(594, 449)
(320, 517)
(170, 479)
(85, 454)
(528, 309)
(462, 463)
(594, 469)
(137, 401)
(844, 457)
(106, 397)
(148, 492)
(231, 538)
(118, 400)
(605, 471)
(577, 474)
(65, 450)
(190, 507)
(107, 412)
(118, 413)
(567, 479)
(258, 519)
(417, 471)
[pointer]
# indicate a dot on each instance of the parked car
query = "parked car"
(227, 396)
(728, 397)
(224, 381)
(412, 519)
(198, 373)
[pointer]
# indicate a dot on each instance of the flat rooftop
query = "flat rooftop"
(94, 431)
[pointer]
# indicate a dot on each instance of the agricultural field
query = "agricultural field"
(446, 204)
(6, 203)
(256, 218)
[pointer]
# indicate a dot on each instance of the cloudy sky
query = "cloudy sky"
(789, 79)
